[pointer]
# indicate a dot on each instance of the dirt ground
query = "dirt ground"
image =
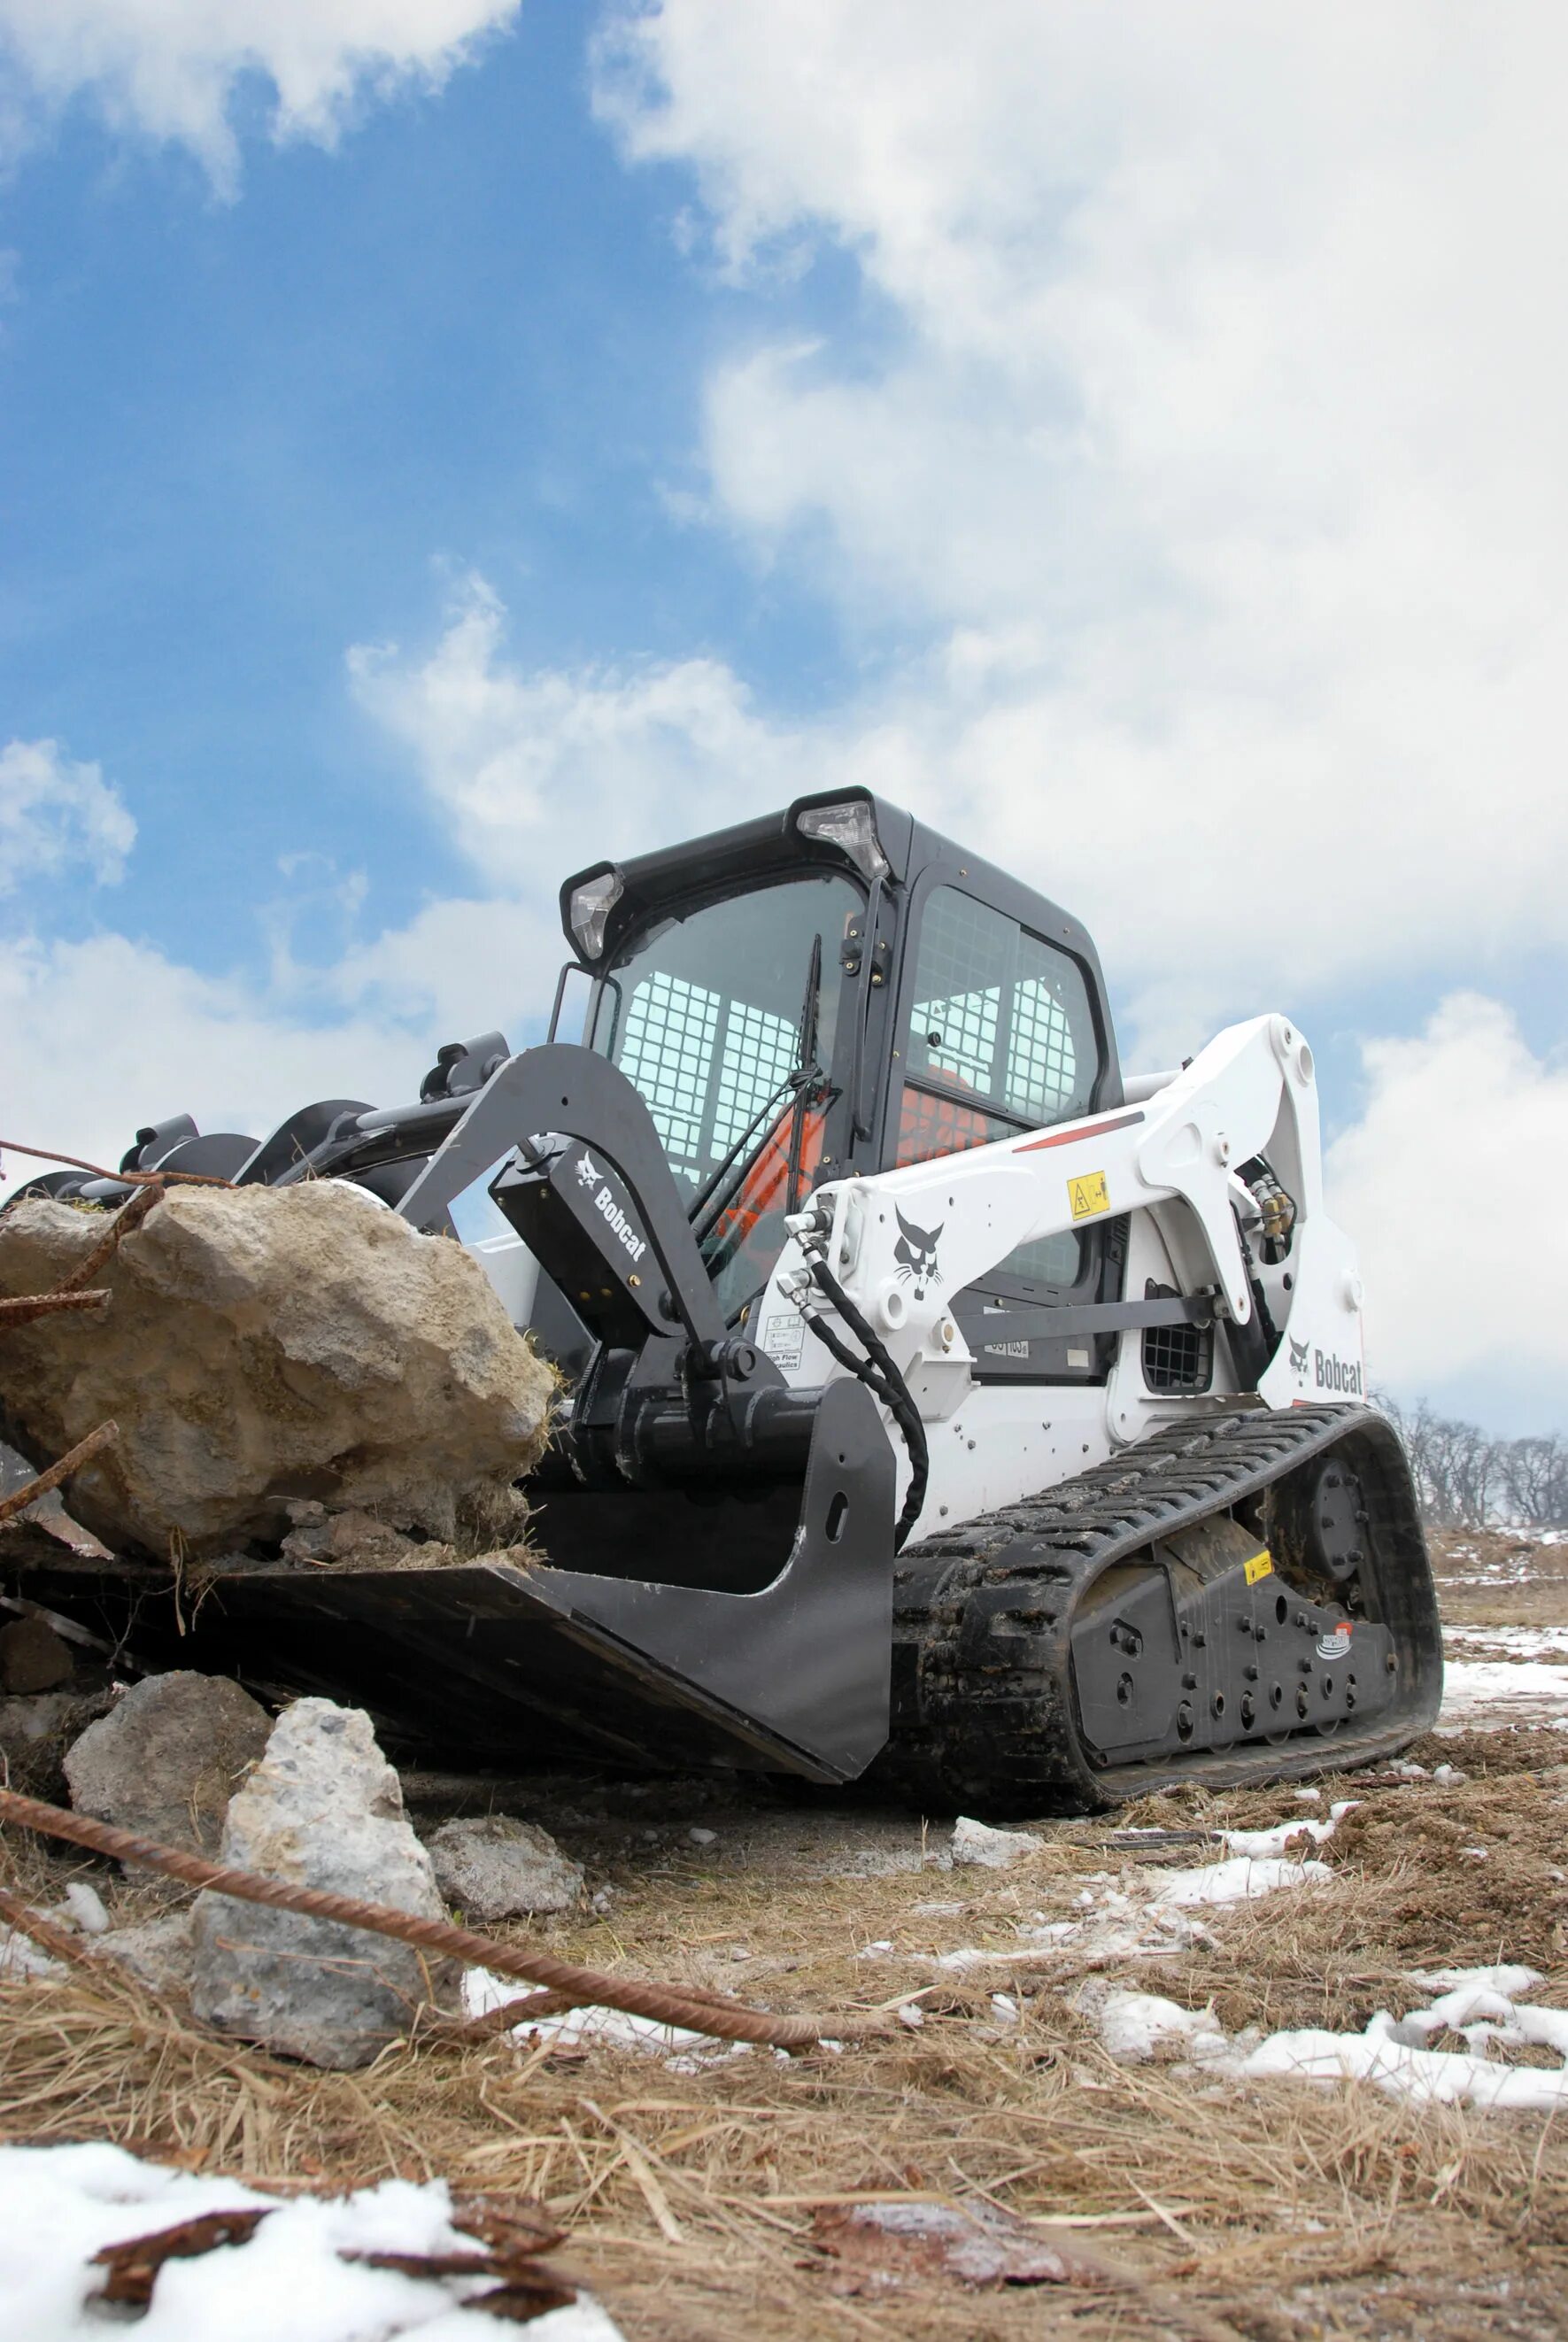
(708, 2191)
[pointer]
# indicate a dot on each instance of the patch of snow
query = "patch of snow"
(61, 2204)
(20, 1956)
(85, 1906)
(1519, 1641)
(1265, 1844)
(1423, 2075)
(1136, 2027)
(1505, 1691)
(613, 2028)
(1485, 2005)
(1240, 1879)
(1507, 1978)
(1054, 1931)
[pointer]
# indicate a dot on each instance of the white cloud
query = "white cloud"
(123, 1035)
(539, 771)
(171, 69)
(55, 814)
(1449, 1183)
(1215, 444)
(531, 772)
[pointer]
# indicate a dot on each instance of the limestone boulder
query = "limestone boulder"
(323, 1810)
(168, 1757)
(265, 1347)
(497, 1868)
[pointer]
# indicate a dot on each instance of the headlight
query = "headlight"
(592, 903)
(852, 827)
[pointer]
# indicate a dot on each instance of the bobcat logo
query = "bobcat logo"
(588, 1175)
(915, 1253)
(1299, 1359)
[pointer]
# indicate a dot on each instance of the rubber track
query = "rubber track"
(983, 1704)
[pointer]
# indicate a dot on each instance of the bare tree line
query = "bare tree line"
(1465, 1478)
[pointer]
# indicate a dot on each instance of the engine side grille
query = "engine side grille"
(1176, 1357)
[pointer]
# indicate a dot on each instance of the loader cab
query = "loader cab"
(838, 988)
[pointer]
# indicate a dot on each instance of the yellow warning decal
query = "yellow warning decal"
(1261, 1565)
(1088, 1194)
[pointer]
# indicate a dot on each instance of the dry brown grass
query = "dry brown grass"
(1492, 1578)
(1263, 2212)
(687, 2194)
(1278, 2213)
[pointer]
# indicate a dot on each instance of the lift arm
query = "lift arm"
(905, 1243)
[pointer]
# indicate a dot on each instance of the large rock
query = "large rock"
(323, 1810)
(168, 1757)
(495, 1868)
(268, 1344)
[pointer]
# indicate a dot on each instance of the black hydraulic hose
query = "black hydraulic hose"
(886, 1383)
(860, 1367)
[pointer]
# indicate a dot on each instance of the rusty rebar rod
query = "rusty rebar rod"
(129, 1216)
(127, 1178)
(531, 2006)
(72, 1461)
(21, 1308)
(661, 2004)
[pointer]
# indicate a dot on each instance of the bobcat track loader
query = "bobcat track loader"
(943, 1406)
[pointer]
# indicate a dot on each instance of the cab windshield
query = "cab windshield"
(709, 1015)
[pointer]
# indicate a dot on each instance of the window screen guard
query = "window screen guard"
(1004, 1018)
(705, 1065)
(1000, 1013)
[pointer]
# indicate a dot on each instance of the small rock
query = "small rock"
(495, 1868)
(168, 1758)
(159, 1952)
(702, 1836)
(33, 1658)
(323, 1810)
(977, 1846)
(352, 1541)
(36, 1734)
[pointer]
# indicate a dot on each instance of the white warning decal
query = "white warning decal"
(783, 1340)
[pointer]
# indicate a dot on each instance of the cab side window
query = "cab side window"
(1001, 1039)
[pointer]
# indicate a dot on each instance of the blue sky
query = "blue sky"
(441, 447)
